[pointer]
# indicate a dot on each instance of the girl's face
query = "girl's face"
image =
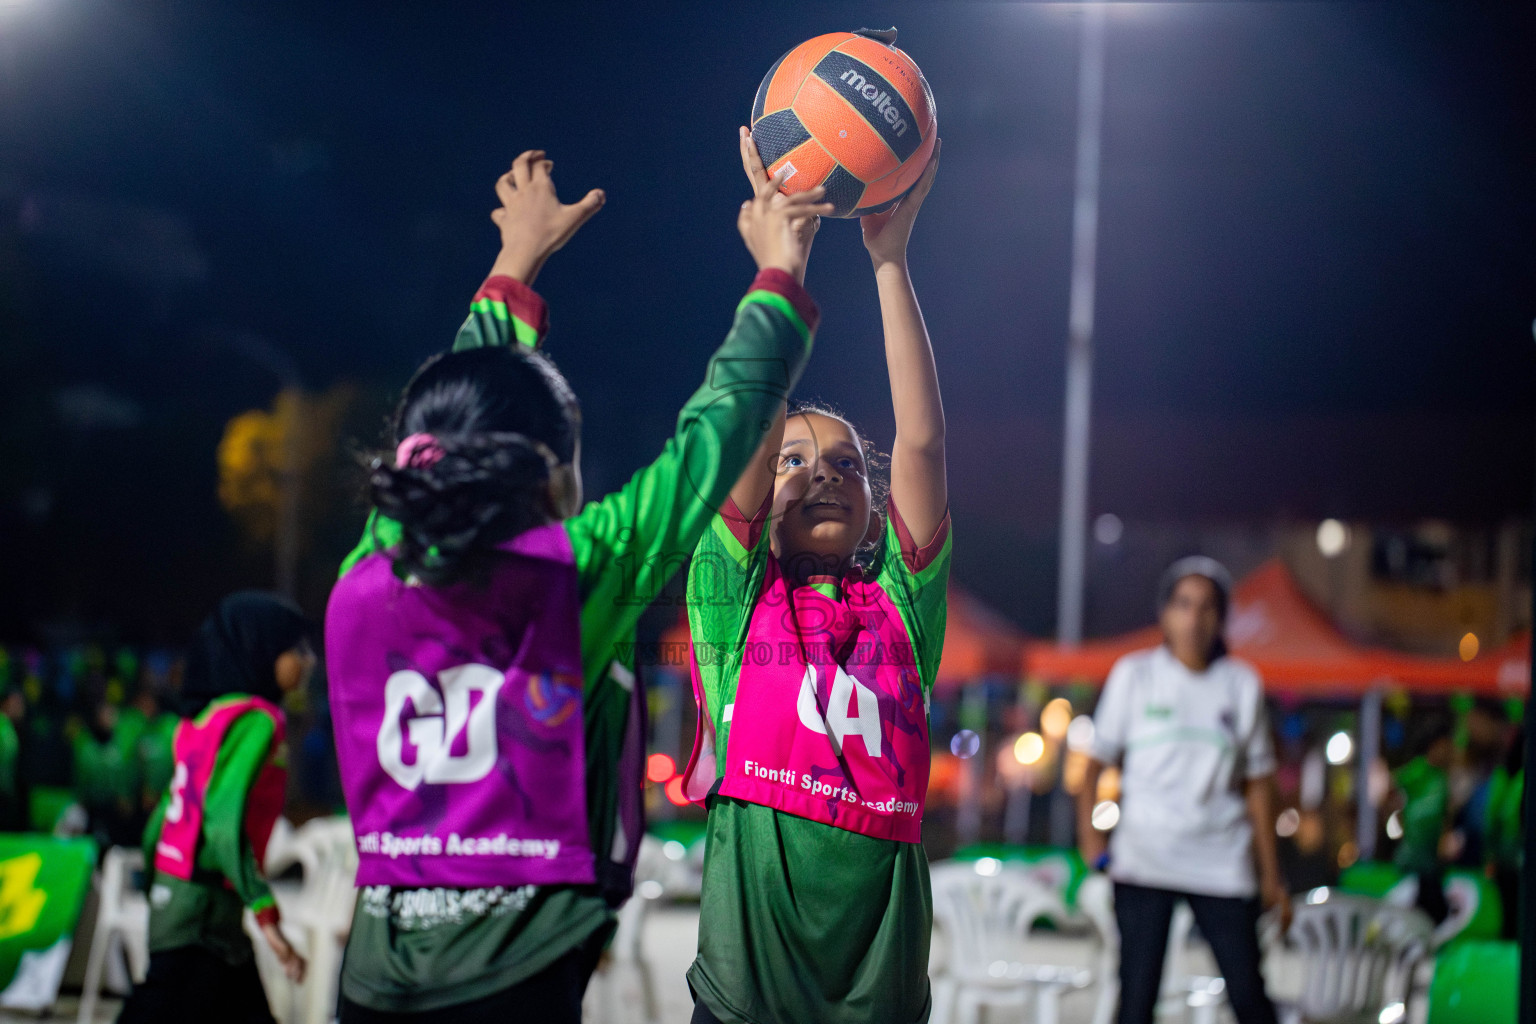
(294, 667)
(1191, 620)
(821, 499)
(565, 489)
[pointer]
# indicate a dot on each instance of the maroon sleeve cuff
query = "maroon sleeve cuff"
(747, 530)
(917, 558)
(522, 301)
(773, 279)
(268, 915)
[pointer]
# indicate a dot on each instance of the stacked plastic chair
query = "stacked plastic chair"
(1359, 957)
(122, 923)
(985, 912)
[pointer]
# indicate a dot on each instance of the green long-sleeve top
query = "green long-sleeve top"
(418, 950)
(1426, 795)
(205, 911)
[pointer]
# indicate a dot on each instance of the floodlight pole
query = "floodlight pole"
(1085, 231)
(1528, 862)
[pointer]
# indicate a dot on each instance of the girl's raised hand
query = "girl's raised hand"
(803, 225)
(533, 221)
(886, 234)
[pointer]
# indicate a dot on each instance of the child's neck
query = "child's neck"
(800, 567)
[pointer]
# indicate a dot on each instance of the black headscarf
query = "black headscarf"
(237, 647)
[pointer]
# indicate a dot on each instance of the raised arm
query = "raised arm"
(534, 224)
(756, 481)
(633, 540)
(919, 486)
(506, 310)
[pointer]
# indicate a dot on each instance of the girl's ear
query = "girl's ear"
(563, 492)
(875, 531)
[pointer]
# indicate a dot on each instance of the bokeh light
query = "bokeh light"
(659, 768)
(1108, 529)
(1056, 717)
(675, 792)
(965, 744)
(1106, 815)
(1287, 823)
(1080, 734)
(1332, 538)
(1340, 748)
(1469, 647)
(1029, 748)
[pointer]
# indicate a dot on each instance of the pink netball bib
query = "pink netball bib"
(196, 747)
(830, 721)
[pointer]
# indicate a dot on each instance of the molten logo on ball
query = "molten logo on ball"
(879, 97)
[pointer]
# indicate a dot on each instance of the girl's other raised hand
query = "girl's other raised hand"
(533, 221)
(886, 234)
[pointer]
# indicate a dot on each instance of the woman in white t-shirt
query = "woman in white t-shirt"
(1186, 723)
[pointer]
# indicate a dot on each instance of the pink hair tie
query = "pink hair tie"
(418, 451)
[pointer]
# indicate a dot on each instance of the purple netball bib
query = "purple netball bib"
(458, 718)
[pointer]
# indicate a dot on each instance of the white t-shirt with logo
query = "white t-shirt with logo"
(1187, 742)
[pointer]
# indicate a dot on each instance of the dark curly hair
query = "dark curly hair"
(503, 418)
(877, 464)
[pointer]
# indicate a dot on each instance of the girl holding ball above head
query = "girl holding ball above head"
(816, 903)
(487, 723)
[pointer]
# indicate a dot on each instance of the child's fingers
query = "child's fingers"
(588, 204)
(522, 167)
(906, 210)
(797, 214)
(770, 187)
(809, 196)
(505, 190)
(751, 161)
(925, 180)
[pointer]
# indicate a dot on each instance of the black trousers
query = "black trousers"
(553, 996)
(1431, 897)
(194, 985)
(1229, 924)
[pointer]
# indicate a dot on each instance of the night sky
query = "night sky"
(1316, 292)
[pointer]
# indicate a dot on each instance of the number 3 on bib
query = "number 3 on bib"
(178, 804)
(839, 724)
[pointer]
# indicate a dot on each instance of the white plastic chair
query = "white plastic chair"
(626, 954)
(1096, 902)
(986, 912)
(1359, 956)
(316, 917)
(323, 910)
(122, 923)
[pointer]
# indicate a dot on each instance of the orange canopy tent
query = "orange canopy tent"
(977, 641)
(1296, 648)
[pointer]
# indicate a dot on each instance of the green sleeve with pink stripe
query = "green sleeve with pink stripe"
(225, 848)
(504, 312)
